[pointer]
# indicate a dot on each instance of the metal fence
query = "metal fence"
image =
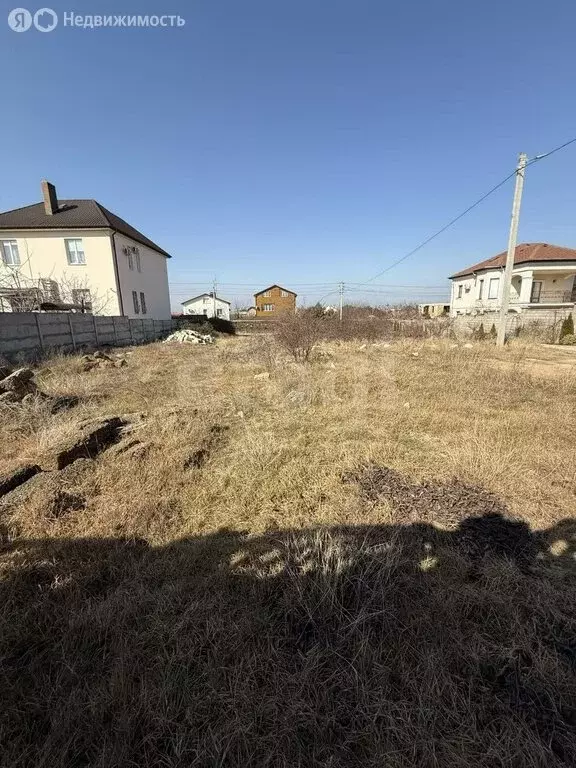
(35, 334)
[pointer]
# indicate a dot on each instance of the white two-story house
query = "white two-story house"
(77, 254)
(543, 284)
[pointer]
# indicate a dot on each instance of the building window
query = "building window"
(10, 253)
(135, 302)
(81, 297)
(467, 289)
(460, 289)
(268, 308)
(130, 260)
(143, 303)
(266, 293)
(493, 287)
(219, 313)
(481, 289)
(138, 264)
(284, 294)
(75, 251)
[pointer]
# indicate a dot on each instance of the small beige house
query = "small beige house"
(77, 254)
(543, 284)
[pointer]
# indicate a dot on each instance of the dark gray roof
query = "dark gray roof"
(73, 214)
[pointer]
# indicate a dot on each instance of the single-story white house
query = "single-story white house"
(543, 284)
(207, 304)
(436, 309)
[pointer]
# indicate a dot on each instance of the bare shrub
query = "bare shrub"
(299, 333)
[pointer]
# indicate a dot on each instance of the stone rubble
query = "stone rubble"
(188, 336)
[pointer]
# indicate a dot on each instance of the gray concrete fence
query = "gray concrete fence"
(36, 334)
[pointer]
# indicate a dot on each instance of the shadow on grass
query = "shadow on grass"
(348, 646)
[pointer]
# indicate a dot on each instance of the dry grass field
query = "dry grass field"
(364, 560)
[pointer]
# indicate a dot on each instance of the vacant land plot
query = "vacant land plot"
(367, 560)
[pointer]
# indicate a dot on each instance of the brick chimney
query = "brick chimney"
(50, 198)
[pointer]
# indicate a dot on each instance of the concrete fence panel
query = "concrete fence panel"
(34, 334)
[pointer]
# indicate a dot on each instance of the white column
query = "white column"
(526, 287)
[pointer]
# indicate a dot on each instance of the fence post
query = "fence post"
(40, 337)
(72, 337)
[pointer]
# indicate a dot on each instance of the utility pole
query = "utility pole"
(214, 298)
(512, 237)
(341, 291)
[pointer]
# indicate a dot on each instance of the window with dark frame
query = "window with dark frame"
(143, 302)
(135, 302)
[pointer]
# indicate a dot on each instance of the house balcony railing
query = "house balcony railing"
(546, 297)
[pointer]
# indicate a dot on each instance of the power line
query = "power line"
(443, 229)
(470, 208)
(552, 151)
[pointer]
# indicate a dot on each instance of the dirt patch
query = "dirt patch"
(213, 439)
(446, 504)
(481, 522)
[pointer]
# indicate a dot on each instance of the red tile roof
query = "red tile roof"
(525, 253)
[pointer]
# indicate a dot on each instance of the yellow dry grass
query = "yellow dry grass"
(258, 610)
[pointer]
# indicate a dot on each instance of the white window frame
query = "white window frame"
(76, 255)
(10, 247)
(219, 312)
(493, 287)
(143, 303)
(267, 307)
(135, 302)
(284, 294)
(266, 294)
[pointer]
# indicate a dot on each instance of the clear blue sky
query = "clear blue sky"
(300, 141)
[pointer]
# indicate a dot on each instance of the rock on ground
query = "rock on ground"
(20, 382)
(12, 480)
(92, 438)
(60, 490)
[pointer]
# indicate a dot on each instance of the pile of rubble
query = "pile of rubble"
(19, 387)
(101, 360)
(188, 336)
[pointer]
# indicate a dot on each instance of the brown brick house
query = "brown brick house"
(274, 301)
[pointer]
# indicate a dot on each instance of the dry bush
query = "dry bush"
(299, 333)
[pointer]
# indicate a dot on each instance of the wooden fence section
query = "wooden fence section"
(33, 334)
